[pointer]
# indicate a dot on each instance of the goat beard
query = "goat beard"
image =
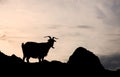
(53, 47)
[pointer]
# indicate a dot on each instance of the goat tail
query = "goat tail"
(23, 47)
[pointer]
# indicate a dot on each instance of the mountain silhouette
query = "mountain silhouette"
(13, 59)
(80, 62)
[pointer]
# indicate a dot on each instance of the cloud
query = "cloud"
(2, 35)
(111, 12)
(118, 34)
(111, 62)
(84, 26)
(100, 13)
(55, 26)
(2, 1)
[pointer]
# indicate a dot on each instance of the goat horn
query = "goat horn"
(55, 38)
(48, 36)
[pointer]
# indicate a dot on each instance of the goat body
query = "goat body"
(37, 50)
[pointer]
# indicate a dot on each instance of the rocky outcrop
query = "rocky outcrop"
(85, 60)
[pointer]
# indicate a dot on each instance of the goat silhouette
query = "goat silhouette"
(37, 50)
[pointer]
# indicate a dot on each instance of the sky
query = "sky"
(93, 24)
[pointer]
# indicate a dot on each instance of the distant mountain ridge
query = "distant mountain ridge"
(82, 60)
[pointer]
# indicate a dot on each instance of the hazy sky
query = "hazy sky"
(93, 24)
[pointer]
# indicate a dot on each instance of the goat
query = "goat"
(37, 50)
